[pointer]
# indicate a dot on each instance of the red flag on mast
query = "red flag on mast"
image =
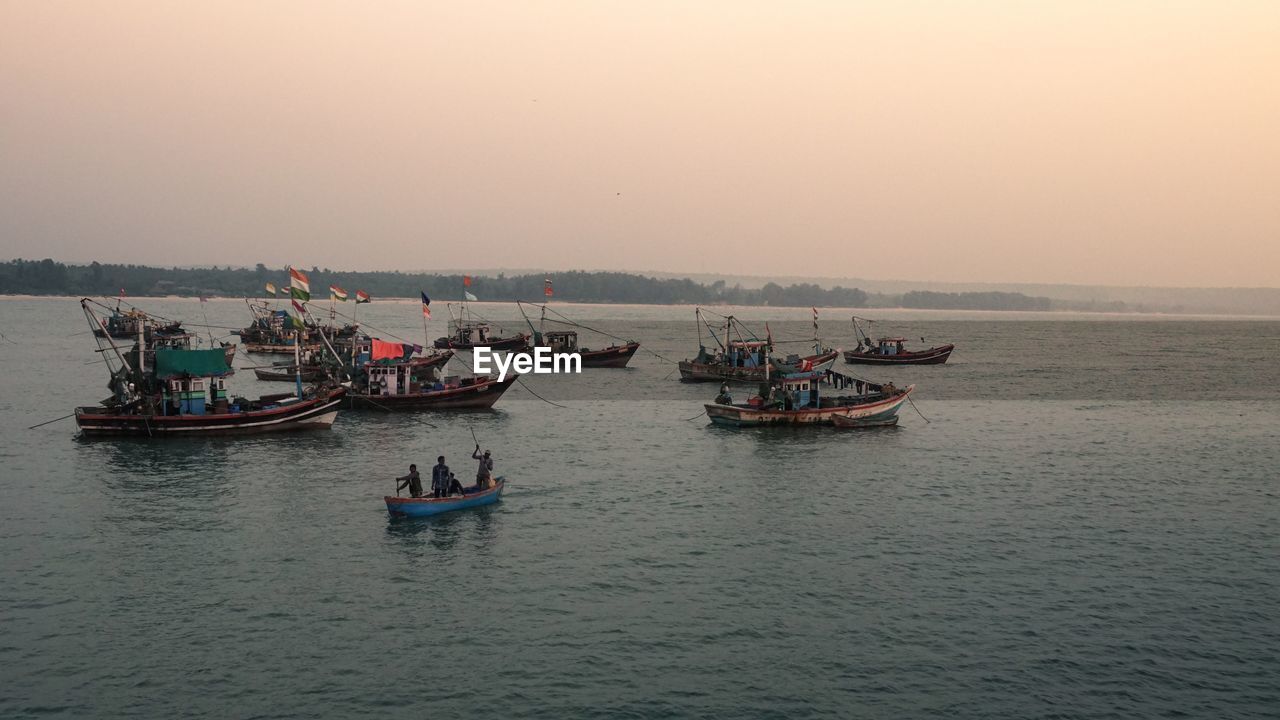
(466, 281)
(546, 287)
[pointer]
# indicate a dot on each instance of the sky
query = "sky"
(1129, 142)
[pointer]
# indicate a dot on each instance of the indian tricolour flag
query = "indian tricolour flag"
(298, 282)
(361, 297)
(338, 292)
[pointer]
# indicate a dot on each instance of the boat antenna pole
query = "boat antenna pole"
(426, 334)
(297, 359)
(142, 349)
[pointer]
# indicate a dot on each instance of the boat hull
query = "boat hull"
(876, 413)
(277, 348)
(480, 396)
(317, 413)
(614, 357)
(707, 372)
(406, 507)
(932, 356)
(287, 374)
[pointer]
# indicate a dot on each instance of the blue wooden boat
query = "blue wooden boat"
(402, 507)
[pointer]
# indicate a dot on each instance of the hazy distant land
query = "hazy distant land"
(47, 277)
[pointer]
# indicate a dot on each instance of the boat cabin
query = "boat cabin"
(381, 371)
(471, 333)
(804, 390)
(888, 346)
(192, 382)
(738, 354)
(561, 341)
(792, 391)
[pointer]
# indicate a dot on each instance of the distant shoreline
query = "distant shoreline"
(869, 311)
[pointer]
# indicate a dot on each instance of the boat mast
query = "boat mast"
(142, 345)
(426, 335)
(297, 359)
(93, 323)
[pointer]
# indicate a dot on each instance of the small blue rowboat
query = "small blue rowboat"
(400, 507)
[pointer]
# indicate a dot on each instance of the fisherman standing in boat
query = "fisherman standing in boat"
(484, 473)
(440, 478)
(724, 398)
(413, 481)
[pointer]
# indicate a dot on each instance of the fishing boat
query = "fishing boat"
(892, 351)
(127, 324)
(467, 332)
(410, 507)
(616, 355)
(798, 398)
(744, 358)
(471, 334)
(285, 371)
(388, 376)
(270, 333)
(169, 391)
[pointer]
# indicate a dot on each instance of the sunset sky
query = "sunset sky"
(1117, 142)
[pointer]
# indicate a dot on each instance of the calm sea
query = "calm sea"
(1085, 526)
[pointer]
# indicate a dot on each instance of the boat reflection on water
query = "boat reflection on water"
(476, 527)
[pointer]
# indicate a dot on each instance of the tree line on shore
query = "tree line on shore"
(47, 277)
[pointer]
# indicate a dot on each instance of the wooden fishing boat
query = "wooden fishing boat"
(287, 372)
(166, 388)
(271, 333)
(390, 376)
(741, 363)
(269, 413)
(409, 507)
(745, 358)
(128, 324)
(796, 398)
(449, 393)
(892, 351)
(616, 355)
(471, 334)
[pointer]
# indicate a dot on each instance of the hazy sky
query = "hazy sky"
(1118, 142)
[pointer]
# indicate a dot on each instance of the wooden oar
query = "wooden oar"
(64, 417)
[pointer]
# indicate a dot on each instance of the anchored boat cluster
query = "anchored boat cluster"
(166, 381)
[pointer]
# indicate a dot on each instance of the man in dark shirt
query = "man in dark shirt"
(413, 481)
(440, 479)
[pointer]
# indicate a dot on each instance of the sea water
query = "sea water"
(1078, 518)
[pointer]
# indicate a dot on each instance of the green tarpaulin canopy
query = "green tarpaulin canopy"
(171, 363)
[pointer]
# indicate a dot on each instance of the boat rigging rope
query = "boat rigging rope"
(695, 417)
(495, 323)
(913, 405)
(566, 321)
(526, 387)
(46, 422)
(376, 329)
